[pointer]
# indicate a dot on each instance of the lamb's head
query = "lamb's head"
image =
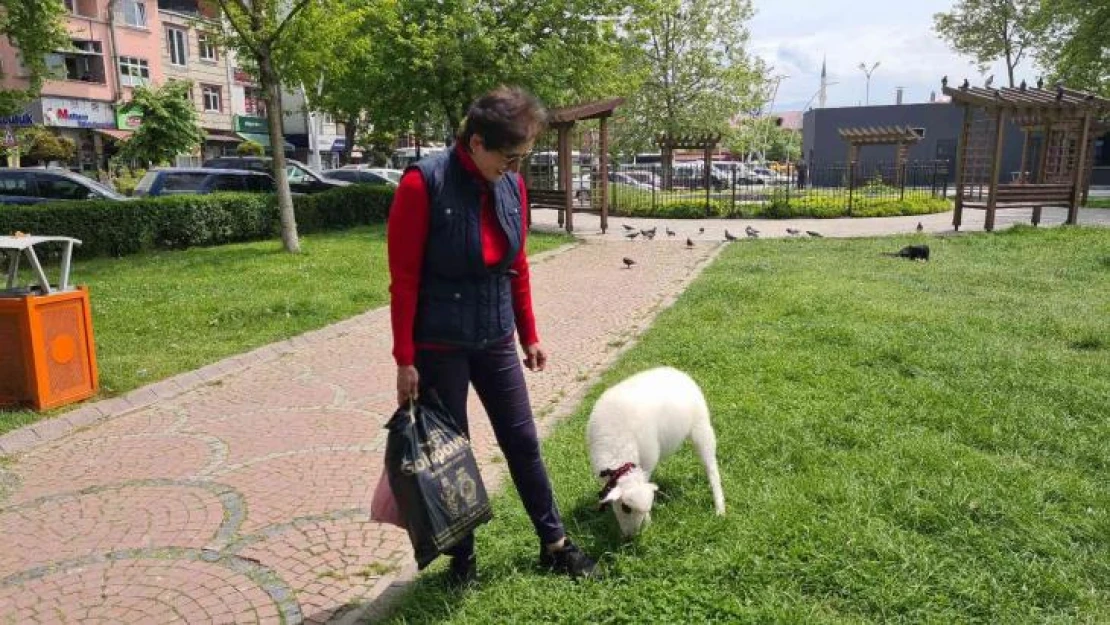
(631, 499)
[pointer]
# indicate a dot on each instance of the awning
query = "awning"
(339, 145)
(118, 135)
(261, 139)
(216, 136)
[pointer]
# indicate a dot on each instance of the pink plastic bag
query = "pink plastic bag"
(383, 508)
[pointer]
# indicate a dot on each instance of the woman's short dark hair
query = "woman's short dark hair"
(505, 117)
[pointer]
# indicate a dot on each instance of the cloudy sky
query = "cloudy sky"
(794, 35)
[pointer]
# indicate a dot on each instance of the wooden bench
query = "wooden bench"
(547, 198)
(1027, 196)
(1020, 195)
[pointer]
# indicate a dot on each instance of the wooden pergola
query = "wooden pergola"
(1062, 119)
(563, 120)
(901, 136)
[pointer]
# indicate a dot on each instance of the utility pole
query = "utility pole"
(868, 72)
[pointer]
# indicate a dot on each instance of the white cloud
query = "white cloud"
(794, 36)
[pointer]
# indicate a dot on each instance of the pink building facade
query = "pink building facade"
(110, 53)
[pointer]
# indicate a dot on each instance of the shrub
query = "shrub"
(250, 148)
(109, 228)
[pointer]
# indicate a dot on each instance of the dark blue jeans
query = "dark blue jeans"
(498, 377)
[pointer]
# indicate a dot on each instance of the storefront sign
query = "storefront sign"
(23, 119)
(242, 77)
(73, 113)
(251, 124)
(128, 119)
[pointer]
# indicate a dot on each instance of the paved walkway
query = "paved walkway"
(240, 492)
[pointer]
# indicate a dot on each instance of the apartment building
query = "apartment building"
(298, 120)
(190, 52)
(110, 52)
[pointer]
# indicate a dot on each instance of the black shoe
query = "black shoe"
(463, 571)
(569, 560)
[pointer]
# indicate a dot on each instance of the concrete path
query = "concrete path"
(240, 493)
(588, 226)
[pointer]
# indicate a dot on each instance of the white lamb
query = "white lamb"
(637, 423)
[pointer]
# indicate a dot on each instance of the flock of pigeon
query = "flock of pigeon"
(631, 233)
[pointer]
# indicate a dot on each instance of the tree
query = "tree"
(39, 145)
(1078, 55)
(273, 36)
(696, 74)
(765, 137)
(170, 124)
(990, 30)
(443, 55)
(35, 28)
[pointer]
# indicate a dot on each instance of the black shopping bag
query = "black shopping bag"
(435, 478)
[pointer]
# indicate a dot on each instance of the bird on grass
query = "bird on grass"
(920, 227)
(793, 232)
(632, 235)
(628, 228)
(670, 232)
(813, 234)
(728, 236)
(628, 262)
(689, 242)
(751, 232)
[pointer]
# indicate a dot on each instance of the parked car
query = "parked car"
(359, 176)
(32, 185)
(741, 171)
(201, 181)
(392, 174)
(642, 182)
(301, 178)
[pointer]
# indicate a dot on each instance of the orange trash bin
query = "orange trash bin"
(47, 353)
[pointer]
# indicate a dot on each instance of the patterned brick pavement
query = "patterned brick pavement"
(239, 493)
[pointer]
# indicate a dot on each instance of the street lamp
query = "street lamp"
(868, 72)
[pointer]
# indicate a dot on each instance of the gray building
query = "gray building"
(939, 125)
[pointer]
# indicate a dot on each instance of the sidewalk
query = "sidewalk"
(240, 492)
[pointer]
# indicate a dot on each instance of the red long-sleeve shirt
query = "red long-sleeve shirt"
(406, 236)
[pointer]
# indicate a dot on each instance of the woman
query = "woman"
(460, 284)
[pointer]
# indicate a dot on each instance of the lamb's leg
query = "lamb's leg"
(705, 444)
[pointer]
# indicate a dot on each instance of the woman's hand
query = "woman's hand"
(408, 381)
(534, 357)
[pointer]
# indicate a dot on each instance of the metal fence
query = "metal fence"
(733, 189)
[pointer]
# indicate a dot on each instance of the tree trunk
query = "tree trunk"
(349, 130)
(271, 86)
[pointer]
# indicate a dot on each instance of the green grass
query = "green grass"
(1102, 202)
(899, 442)
(163, 313)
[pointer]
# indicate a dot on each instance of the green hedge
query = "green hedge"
(110, 228)
(630, 202)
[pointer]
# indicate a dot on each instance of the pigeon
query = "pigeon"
(944, 81)
(793, 232)
(813, 234)
(912, 252)
(920, 227)
(728, 236)
(966, 83)
(628, 262)
(689, 242)
(1040, 82)
(701, 230)
(989, 82)
(632, 235)
(1023, 86)
(1059, 93)
(670, 232)
(751, 232)
(628, 228)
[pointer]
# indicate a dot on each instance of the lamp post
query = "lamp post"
(868, 72)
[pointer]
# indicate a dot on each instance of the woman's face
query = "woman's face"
(494, 163)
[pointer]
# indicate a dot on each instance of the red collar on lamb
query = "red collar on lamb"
(614, 475)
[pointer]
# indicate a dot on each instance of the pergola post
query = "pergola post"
(1080, 167)
(566, 174)
(996, 168)
(961, 165)
(603, 162)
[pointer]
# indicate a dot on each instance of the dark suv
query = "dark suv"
(301, 178)
(200, 181)
(34, 185)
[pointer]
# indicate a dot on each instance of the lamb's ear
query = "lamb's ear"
(614, 494)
